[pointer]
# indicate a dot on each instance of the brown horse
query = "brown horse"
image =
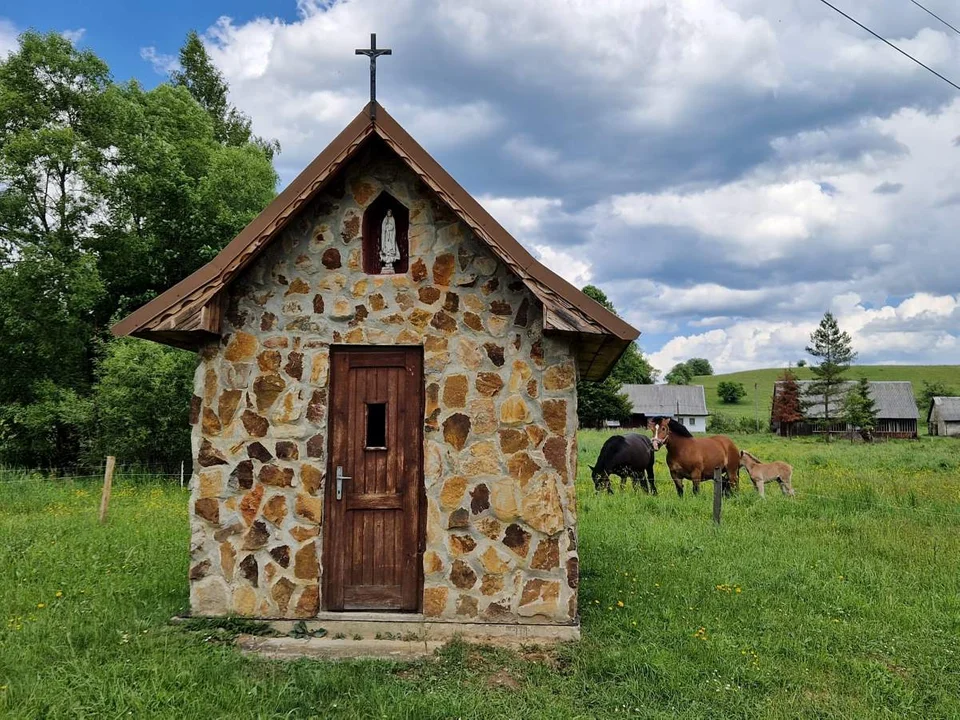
(693, 458)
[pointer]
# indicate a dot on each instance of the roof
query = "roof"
(188, 314)
(893, 398)
(948, 408)
(663, 400)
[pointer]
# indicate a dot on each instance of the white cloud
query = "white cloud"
(8, 37)
(887, 334)
(162, 63)
(572, 269)
(724, 169)
(764, 217)
(74, 36)
(522, 217)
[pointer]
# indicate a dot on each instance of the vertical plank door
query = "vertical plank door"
(373, 533)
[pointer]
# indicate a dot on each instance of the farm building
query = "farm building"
(384, 415)
(896, 406)
(943, 417)
(685, 403)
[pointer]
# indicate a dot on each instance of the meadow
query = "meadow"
(844, 602)
(759, 385)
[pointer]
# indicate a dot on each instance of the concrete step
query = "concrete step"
(328, 648)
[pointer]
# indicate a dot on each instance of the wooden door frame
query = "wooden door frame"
(324, 577)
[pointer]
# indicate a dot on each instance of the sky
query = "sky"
(725, 170)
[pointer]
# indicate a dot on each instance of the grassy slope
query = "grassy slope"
(849, 607)
(764, 379)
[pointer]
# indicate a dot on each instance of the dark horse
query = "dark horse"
(696, 458)
(627, 456)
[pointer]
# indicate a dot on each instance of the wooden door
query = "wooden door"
(373, 533)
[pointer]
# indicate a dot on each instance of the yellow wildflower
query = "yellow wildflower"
(41, 606)
(619, 603)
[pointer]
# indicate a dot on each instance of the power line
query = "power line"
(930, 12)
(880, 37)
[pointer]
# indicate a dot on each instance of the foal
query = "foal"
(762, 473)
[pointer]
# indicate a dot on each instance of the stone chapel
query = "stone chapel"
(384, 416)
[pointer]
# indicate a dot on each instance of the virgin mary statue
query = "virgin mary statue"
(389, 252)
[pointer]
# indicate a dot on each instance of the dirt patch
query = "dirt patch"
(503, 679)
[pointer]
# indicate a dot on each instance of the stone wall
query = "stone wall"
(499, 425)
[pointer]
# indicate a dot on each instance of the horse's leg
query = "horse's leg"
(695, 477)
(678, 482)
(653, 485)
(761, 481)
(733, 479)
(786, 485)
(640, 478)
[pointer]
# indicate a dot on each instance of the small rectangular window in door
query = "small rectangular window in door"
(376, 426)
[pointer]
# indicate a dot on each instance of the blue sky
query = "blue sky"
(726, 170)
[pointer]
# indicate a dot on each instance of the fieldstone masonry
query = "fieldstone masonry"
(499, 424)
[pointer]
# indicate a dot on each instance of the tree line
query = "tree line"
(109, 194)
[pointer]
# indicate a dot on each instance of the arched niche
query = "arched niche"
(373, 218)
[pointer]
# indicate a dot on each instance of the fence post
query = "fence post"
(717, 493)
(181, 474)
(107, 485)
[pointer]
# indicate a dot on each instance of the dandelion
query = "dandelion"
(41, 606)
(59, 593)
(619, 603)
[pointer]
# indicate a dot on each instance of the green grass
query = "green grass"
(848, 606)
(759, 385)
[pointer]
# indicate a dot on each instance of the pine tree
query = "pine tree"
(833, 348)
(787, 407)
(860, 409)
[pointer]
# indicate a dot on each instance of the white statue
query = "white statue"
(389, 252)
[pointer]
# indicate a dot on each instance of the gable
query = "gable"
(189, 314)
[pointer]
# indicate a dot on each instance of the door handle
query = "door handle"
(340, 478)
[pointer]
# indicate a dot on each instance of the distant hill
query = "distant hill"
(764, 379)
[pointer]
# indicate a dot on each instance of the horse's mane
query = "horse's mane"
(678, 428)
(751, 456)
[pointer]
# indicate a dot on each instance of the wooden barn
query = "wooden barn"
(384, 415)
(897, 413)
(685, 403)
(943, 417)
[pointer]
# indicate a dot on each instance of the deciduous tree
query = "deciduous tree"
(597, 402)
(787, 407)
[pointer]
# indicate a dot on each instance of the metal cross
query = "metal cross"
(373, 54)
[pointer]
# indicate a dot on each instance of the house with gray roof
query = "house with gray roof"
(897, 413)
(685, 403)
(943, 416)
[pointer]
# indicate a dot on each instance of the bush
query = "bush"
(721, 424)
(731, 392)
(142, 402)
